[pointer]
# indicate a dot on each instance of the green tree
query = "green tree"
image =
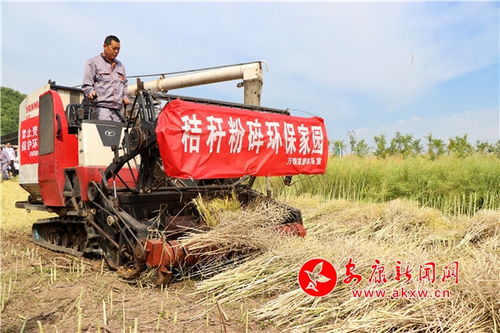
(352, 141)
(435, 147)
(496, 148)
(381, 149)
(338, 147)
(361, 149)
(459, 146)
(401, 145)
(9, 109)
(416, 147)
(483, 147)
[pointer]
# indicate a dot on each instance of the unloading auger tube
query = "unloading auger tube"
(250, 73)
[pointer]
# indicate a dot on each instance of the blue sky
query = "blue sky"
(413, 67)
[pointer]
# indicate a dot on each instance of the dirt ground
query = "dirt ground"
(42, 290)
(61, 293)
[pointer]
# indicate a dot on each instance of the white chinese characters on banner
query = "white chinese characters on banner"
(191, 134)
(302, 139)
(317, 139)
(290, 138)
(236, 132)
(29, 141)
(304, 160)
(216, 133)
(255, 137)
(274, 136)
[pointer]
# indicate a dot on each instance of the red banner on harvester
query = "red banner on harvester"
(208, 141)
(28, 141)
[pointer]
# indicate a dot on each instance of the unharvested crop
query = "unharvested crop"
(453, 185)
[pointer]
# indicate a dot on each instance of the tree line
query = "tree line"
(406, 146)
(9, 109)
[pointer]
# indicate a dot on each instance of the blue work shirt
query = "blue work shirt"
(107, 79)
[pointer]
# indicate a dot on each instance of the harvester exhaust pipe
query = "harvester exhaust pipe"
(250, 73)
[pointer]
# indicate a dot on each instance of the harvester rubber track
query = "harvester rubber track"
(68, 234)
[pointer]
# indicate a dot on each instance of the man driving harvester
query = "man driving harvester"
(105, 82)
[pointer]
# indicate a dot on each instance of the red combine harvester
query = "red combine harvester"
(115, 185)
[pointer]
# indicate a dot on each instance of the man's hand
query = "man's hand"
(126, 101)
(92, 95)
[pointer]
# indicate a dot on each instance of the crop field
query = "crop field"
(410, 213)
(451, 184)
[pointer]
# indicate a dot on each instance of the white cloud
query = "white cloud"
(478, 125)
(390, 51)
(394, 52)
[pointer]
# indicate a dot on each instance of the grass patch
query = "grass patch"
(13, 218)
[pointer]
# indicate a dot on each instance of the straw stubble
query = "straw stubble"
(389, 232)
